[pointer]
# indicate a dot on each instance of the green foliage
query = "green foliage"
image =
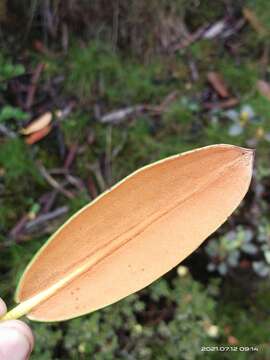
(182, 112)
(19, 173)
(200, 12)
(96, 70)
(173, 326)
(226, 252)
(237, 318)
(48, 339)
(240, 78)
(262, 266)
(261, 10)
(78, 202)
(10, 112)
(9, 70)
(75, 127)
(16, 160)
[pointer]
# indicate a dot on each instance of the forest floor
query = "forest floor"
(82, 108)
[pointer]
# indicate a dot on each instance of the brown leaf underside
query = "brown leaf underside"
(138, 231)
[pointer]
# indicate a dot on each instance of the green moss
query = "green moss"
(200, 12)
(261, 9)
(202, 50)
(261, 106)
(19, 256)
(239, 316)
(75, 127)
(20, 178)
(8, 69)
(16, 160)
(78, 202)
(96, 70)
(9, 112)
(91, 69)
(241, 78)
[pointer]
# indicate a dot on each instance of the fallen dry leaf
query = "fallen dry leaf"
(38, 124)
(251, 17)
(215, 30)
(223, 104)
(134, 233)
(232, 340)
(264, 88)
(218, 83)
(38, 135)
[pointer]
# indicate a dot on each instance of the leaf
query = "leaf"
(217, 82)
(38, 124)
(233, 258)
(38, 135)
(250, 249)
(264, 88)
(10, 112)
(222, 269)
(134, 233)
(267, 256)
(261, 268)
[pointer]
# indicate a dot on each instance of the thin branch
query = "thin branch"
(41, 219)
(33, 86)
(54, 183)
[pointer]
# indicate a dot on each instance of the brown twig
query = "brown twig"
(115, 117)
(58, 171)
(75, 181)
(19, 227)
(61, 114)
(214, 30)
(92, 187)
(190, 39)
(55, 184)
(71, 156)
(43, 218)
(95, 168)
(48, 200)
(193, 70)
(217, 82)
(33, 86)
(254, 22)
(224, 104)
(166, 102)
(7, 132)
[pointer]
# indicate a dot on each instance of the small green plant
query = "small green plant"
(16, 161)
(8, 70)
(173, 325)
(10, 112)
(262, 266)
(226, 252)
(238, 312)
(96, 70)
(240, 78)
